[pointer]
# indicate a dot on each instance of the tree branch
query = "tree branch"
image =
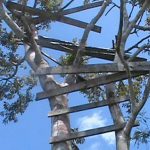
(138, 108)
(140, 49)
(143, 28)
(134, 21)
(4, 16)
(136, 45)
(87, 31)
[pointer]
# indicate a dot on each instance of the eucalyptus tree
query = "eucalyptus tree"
(23, 23)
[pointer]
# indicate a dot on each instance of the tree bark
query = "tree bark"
(60, 126)
(122, 140)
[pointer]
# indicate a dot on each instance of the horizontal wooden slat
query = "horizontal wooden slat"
(87, 133)
(78, 23)
(87, 84)
(94, 68)
(66, 20)
(88, 106)
(82, 8)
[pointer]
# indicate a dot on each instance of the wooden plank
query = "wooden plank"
(82, 8)
(87, 133)
(44, 16)
(36, 11)
(102, 53)
(67, 20)
(94, 68)
(88, 106)
(140, 66)
(77, 23)
(105, 79)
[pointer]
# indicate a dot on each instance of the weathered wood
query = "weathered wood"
(36, 11)
(77, 23)
(88, 106)
(82, 8)
(94, 68)
(44, 16)
(105, 79)
(102, 53)
(87, 133)
(140, 66)
(67, 20)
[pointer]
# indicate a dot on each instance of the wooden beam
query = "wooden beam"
(102, 53)
(44, 16)
(88, 106)
(94, 68)
(71, 47)
(105, 79)
(82, 8)
(87, 133)
(36, 11)
(67, 20)
(77, 23)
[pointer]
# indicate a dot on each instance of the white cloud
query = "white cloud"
(91, 121)
(96, 120)
(95, 146)
(109, 137)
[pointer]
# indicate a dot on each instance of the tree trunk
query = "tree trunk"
(60, 126)
(122, 141)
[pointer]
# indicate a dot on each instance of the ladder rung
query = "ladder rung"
(87, 84)
(88, 106)
(86, 133)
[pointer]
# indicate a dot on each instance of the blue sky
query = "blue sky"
(32, 131)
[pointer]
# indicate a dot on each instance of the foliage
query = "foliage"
(15, 89)
(141, 136)
(93, 94)
(76, 141)
(67, 59)
(51, 5)
(122, 89)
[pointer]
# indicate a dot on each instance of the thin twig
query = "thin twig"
(136, 45)
(66, 5)
(51, 59)
(131, 11)
(142, 48)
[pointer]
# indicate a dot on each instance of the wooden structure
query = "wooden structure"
(117, 71)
